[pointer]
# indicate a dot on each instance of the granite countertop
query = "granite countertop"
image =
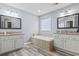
(68, 33)
(11, 34)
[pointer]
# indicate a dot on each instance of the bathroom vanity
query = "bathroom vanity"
(67, 43)
(10, 42)
(66, 39)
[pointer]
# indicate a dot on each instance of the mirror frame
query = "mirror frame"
(11, 28)
(67, 27)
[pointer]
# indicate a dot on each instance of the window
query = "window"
(45, 24)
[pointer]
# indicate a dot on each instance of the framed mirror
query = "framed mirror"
(70, 21)
(8, 22)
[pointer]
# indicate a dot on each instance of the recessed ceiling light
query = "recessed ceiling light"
(39, 10)
(55, 3)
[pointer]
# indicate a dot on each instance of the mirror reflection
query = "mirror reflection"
(10, 22)
(68, 21)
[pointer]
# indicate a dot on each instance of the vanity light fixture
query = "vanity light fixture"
(55, 3)
(14, 13)
(66, 12)
(8, 12)
(70, 11)
(11, 13)
(61, 14)
(39, 10)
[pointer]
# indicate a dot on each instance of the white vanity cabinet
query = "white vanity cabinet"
(67, 43)
(10, 42)
(58, 42)
(70, 43)
(7, 44)
(1, 44)
(19, 42)
(76, 44)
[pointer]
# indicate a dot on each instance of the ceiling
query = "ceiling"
(38, 8)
